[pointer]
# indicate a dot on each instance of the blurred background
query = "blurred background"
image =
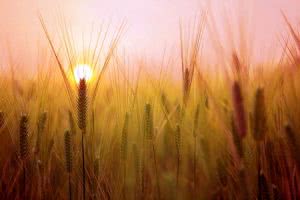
(151, 25)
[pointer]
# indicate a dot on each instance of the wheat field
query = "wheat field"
(139, 134)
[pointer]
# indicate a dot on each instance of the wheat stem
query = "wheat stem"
(68, 155)
(83, 163)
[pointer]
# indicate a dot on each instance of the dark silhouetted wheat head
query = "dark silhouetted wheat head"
(68, 151)
(24, 151)
(260, 117)
(239, 110)
(68, 154)
(82, 104)
(23, 131)
(148, 122)
(2, 119)
(82, 115)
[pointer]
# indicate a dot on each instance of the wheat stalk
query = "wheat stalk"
(222, 171)
(24, 149)
(149, 132)
(239, 110)
(40, 129)
(24, 137)
(82, 113)
(165, 102)
(137, 166)
(178, 148)
(124, 142)
(68, 154)
(259, 121)
(293, 144)
(241, 170)
(260, 117)
(2, 119)
(263, 190)
(196, 121)
(82, 105)
(72, 123)
(124, 149)
(96, 165)
(236, 139)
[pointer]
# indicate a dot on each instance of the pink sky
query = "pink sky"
(151, 24)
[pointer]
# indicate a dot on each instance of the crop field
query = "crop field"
(95, 124)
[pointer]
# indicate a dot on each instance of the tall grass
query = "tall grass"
(144, 137)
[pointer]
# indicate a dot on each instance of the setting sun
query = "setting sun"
(83, 71)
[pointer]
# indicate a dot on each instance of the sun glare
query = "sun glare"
(83, 71)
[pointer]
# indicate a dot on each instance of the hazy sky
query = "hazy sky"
(151, 24)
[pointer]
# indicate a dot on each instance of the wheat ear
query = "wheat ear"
(24, 150)
(149, 132)
(68, 154)
(239, 110)
(82, 113)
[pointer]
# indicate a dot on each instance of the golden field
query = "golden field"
(138, 134)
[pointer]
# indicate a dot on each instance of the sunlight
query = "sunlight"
(83, 71)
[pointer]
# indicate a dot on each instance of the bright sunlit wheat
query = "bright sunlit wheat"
(83, 71)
